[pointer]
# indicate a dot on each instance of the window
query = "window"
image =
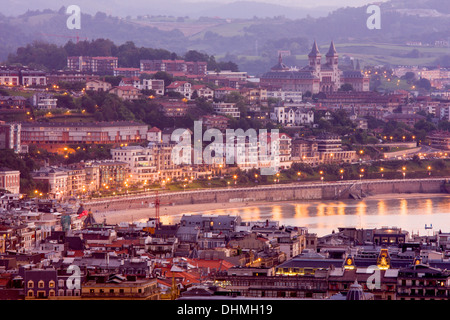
(51, 284)
(30, 284)
(41, 284)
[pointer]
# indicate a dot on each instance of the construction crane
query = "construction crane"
(157, 204)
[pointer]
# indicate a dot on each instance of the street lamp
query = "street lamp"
(429, 170)
(342, 174)
(235, 177)
(404, 172)
(382, 172)
(298, 175)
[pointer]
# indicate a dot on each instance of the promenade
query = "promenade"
(269, 193)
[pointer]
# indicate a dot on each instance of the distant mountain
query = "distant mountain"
(176, 8)
(250, 9)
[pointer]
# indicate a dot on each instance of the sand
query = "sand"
(171, 214)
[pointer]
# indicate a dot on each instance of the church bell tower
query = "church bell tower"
(315, 59)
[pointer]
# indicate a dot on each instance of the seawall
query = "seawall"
(299, 191)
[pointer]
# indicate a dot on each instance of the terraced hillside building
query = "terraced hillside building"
(46, 133)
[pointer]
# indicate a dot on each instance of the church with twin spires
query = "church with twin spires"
(316, 76)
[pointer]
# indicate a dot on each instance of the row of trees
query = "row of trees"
(52, 57)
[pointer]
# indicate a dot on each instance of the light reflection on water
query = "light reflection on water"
(322, 217)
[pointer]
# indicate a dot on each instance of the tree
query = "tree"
(409, 76)
(424, 125)
(161, 75)
(346, 87)
(424, 84)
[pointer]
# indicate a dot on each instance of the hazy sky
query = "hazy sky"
(304, 3)
(133, 7)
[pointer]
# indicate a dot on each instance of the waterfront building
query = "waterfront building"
(305, 150)
(73, 133)
(140, 161)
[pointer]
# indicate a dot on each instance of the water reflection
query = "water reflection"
(322, 217)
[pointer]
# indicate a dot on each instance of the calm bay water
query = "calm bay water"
(408, 212)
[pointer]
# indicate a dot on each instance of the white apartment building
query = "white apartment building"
(57, 180)
(42, 101)
(292, 116)
(227, 109)
(140, 161)
(288, 96)
(153, 84)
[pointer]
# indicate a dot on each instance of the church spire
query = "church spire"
(332, 51)
(315, 50)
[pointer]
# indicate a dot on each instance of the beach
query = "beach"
(171, 214)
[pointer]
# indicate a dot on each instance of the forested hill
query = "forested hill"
(251, 43)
